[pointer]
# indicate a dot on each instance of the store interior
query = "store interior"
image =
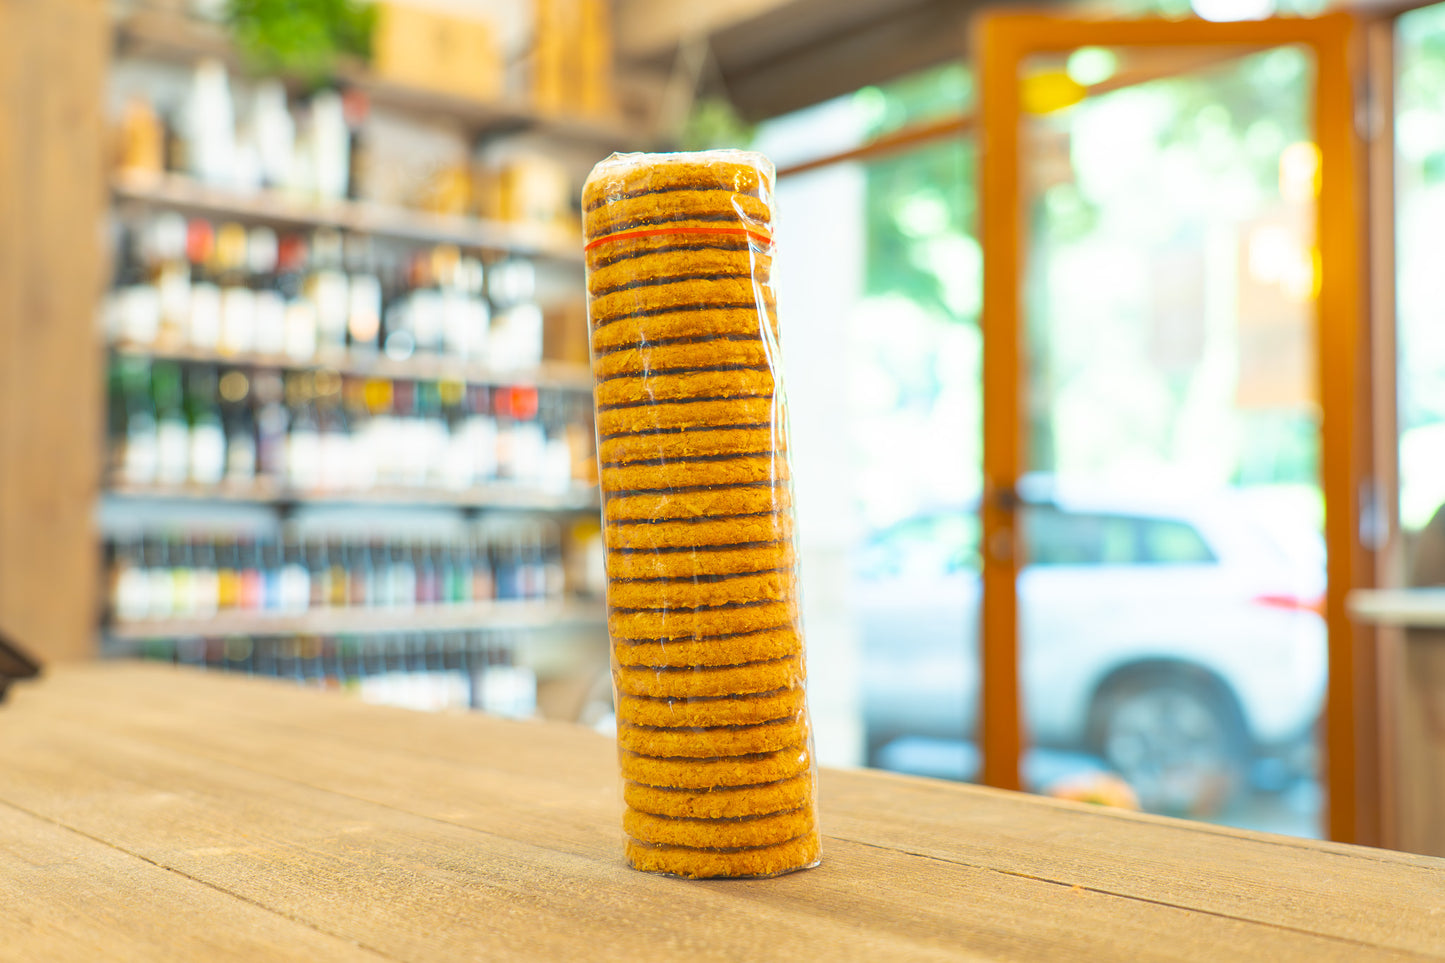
(1115, 377)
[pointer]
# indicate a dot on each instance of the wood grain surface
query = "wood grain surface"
(53, 61)
(149, 812)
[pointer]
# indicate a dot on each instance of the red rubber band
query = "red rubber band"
(661, 231)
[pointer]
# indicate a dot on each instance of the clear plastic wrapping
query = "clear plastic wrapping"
(702, 585)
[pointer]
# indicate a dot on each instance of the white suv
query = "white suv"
(1176, 641)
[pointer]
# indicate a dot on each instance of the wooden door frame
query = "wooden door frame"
(1002, 42)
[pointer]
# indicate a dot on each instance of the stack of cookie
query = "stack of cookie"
(698, 518)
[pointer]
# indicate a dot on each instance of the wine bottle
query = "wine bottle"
(239, 423)
(142, 442)
(238, 299)
(207, 443)
(204, 327)
(173, 435)
(268, 304)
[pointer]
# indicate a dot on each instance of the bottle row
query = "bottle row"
(230, 289)
(197, 575)
(430, 671)
(312, 149)
(172, 423)
(325, 148)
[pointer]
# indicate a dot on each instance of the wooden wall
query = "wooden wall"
(53, 58)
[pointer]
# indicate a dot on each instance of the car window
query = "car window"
(925, 544)
(1168, 542)
(1055, 537)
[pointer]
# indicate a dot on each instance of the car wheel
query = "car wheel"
(1176, 736)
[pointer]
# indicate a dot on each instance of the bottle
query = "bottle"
(173, 435)
(529, 442)
(303, 440)
(534, 567)
(363, 455)
(275, 132)
(460, 577)
(251, 595)
(379, 560)
(268, 304)
(240, 426)
(338, 579)
(457, 314)
(209, 124)
(482, 435)
(115, 420)
(398, 342)
(458, 470)
(484, 584)
(556, 465)
(300, 310)
(363, 297)
(362, 588)
(554, 579)
(203, 329)
(356, 108)
(272, 422)
(140, 463)
(295, 579)
(273, 595)
(160, 595)
(130, 597)
(402, 575)
(380, 436)
(428, 582)
(183, 570)
(205, 582)
(426, 314)
(432, 426)
(318, 571)
(137, 299)
(506, 460)
(228, 574)
(170, 236)
(410, 440)
(507, 555)
(330, 144)
(207, 455)
(142, 139)
(328, 288)
(238, 299)
(334, 437)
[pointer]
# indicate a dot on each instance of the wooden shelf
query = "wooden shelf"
(501, 497)
(558, 375)
(272, 207)
(364, 620)
(181, 40)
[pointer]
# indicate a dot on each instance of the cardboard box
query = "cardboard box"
(437, 51)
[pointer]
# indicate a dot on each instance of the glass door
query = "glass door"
(1169, 313)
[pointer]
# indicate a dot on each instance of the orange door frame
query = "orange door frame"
(1003, 41)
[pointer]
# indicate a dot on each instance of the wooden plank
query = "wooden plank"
(64, 896)
(51, 272)
(419, 888)
(473, 765)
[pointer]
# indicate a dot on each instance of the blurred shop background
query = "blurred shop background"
(294, 382)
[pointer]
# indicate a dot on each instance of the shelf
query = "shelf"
(181, 40)
(500, 497)
(558, 375)
(504, 614)
(365, 217)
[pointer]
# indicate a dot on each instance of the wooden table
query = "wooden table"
(149, 812)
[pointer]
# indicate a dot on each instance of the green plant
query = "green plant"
(303, 37)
